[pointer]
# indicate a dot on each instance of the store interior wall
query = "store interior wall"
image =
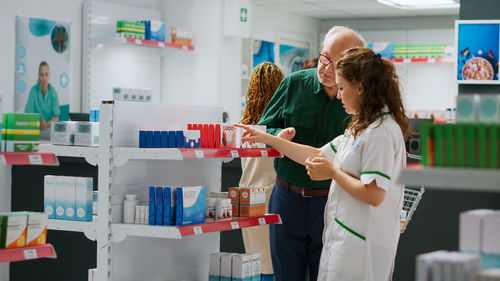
(426, 86)
(212, 74)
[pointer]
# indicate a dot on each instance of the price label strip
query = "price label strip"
(234, 154)
(262, 221)
(30, 254)
(197, 230)
(35, 159)
(199, 154)
(235, 225)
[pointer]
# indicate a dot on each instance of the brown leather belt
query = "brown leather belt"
(305, 192)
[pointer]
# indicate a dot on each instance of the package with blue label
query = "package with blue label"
(191, 138)
(190, 205)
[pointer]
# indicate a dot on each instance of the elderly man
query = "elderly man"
(305, 110)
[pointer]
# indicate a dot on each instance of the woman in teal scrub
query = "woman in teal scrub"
(43, 98)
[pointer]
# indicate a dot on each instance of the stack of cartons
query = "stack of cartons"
(252, 201)
(20, 132)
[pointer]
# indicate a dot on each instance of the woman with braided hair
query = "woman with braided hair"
(259, 172)
(361, 230)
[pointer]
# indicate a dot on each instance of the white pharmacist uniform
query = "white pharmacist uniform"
(360, 240)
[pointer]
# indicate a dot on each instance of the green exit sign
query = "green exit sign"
(243, 15)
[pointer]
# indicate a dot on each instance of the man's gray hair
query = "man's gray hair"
(345, 31)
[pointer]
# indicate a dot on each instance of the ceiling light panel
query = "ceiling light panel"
(421, 4)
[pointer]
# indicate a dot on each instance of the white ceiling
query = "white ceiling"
(344, 9)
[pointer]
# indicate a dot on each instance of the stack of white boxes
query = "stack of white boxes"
(444, 266)
(68, 198)
(75, 133)
(234, 267)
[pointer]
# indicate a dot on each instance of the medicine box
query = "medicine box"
(20, 132)
(191, 138)
(228, 136)
(241, 144)
(36, 233)
(49, 195)
(13, 230)
(470, 229)
(59, 198)
(467, 108)
(256, 267)
(190, 205)
(214, 267)
(159, 206)
(167, 203)
(63, 133)
(87, 134)
(69, 194)
(489, 108)
(234, 195)
(252, 201)
(156, 30)
(226, 266)
(490, 239)
(83, 198)
(242, 267)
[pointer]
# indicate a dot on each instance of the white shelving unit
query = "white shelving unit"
(88, 228)
(179, 253)
(464, 179)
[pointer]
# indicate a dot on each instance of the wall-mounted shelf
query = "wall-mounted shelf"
(123, 154)
(121, 231)
(28, 158)
(27, 253)
(88, 228)
(90, 153)
(462, 179)
(140, 42)
(424, 60)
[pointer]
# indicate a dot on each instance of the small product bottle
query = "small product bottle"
(129, 208)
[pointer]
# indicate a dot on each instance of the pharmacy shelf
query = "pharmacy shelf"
(28, 158)
(123, 154)
(460, 179)
(479, 82)
(27, 253)
(121, 231)
(88, 228)
(90, 153)
(424, 60)
(141, 42)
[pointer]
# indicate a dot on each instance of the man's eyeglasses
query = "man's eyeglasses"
(325, 60)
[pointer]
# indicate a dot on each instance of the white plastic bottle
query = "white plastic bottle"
(129, 208)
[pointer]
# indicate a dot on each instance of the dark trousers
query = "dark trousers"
(296, 244)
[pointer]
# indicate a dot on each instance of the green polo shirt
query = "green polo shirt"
(47, 106)
(301, 102)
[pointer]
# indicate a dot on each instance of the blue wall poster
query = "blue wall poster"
(292, 58)
(263, 51)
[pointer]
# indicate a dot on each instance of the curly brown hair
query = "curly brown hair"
(380, 87)
(265, 79)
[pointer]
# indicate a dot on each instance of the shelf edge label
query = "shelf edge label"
(197, 230)
(262, 221)
(235, 225)
(199, 154)
(35, 159)
(30, 254)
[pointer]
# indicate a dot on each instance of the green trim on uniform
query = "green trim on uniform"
(350, 230)
(333, 147)
(383, 113)
(377, 173)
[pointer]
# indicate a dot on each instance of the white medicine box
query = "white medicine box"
(63, 133)
(87, 134)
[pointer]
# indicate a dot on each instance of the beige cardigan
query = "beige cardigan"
(258, 172)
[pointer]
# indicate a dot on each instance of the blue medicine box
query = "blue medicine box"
(152, 204)
(157, 139)
(142, 139)
(149, 139)
(159, 206)
(171, 139)
(190, 205)
(192, 138)
(164, 139)
(179, 139)
(167, 195)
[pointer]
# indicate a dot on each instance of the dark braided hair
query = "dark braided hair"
(380, 87)
(266, 78)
